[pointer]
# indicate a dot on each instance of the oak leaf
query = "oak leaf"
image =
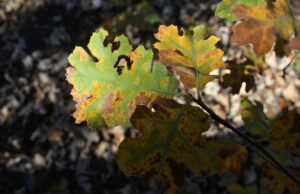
(260, 26)
(228, 156)
(255, 120)
(108, 89)
(238, 189)
(189, 54)
(280, 183)
(171, 141)
(285, 134)
(295, 43)
(226, 7)
(238, 74)
(282, 47)
(269, 131)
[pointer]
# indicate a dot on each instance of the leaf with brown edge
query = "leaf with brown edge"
(280, 183)
(285, 134)
(189, 54)
(260, 26)
(108, 89)
(238, 74)
(226, 7)
(172, 141)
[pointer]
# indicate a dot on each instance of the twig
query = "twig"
(289, 64)
(261, 151)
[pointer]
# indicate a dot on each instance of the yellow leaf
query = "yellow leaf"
(189, 54)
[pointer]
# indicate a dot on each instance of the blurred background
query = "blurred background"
(41, 149)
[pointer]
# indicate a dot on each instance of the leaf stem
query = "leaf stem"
(261, 150)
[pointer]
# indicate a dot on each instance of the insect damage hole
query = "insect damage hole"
(122, 61)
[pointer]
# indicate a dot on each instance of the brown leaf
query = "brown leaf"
(285, 133)
(295, 43)
(189, 54)
(238, 75)
(260, 26)
(280, 183)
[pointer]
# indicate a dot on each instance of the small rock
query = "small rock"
(38, 160)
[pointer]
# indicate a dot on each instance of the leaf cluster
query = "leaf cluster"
(119, 85)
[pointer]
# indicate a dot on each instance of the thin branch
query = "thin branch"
(289, 64)
(261, 151)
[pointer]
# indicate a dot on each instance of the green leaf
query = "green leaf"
(226, 7)
(297, 62)
(105, 98)
(255, 120)
(281, 133)
(171, 141)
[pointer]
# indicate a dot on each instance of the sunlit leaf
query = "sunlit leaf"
(189, 54)
(226, 7)
(107, 90)
(171, 141)
(260, 26)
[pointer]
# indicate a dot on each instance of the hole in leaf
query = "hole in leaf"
(115, 46)
(180, 31)
(121, 62)
(108, 39)
(155, 107)
(90, 54)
